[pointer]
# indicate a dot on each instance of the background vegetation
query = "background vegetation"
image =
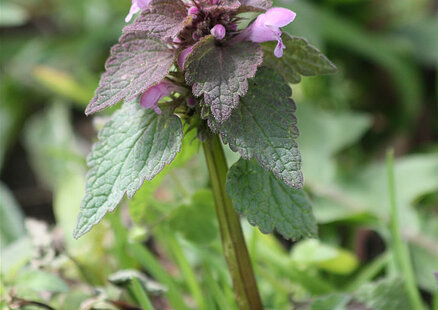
(384, 96)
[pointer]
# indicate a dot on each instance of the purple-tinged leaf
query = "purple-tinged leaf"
(255, 5)
(133, 146)
(164, 20)
(220, 73)
(137, 62)
(223, 5)
(264, 127)
(299, 58)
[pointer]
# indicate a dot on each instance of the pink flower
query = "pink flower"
(182, 57)
(193, 11)
(137, 6)
(154, 94)
(218, 31)
(267, 28)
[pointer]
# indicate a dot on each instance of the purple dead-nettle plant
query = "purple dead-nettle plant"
(191, 64)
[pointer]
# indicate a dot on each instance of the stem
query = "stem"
(233, 242)
(401, 252)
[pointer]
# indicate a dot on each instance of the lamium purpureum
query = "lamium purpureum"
(191, 64)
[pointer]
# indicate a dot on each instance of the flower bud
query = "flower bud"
(218, 31)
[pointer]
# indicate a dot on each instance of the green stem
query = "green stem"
(233, 242)
(140, 295)
(401, 252)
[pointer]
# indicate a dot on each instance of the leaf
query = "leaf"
(14, 257)
(425, 261)
(387, 294)
(256, 4)
(313, 253)
(164, 19)
(264, 127)
(135, 145)
(63, 83)
(137, 62)
(196, 221)
(329, 133)
(221, 73)
(46, 133)
(11, 218)
(38, 280)
(12, 15)
(125, 277)
(12, 113)
(268, 203)
(299, 58)
(138, 205)
(332, 302)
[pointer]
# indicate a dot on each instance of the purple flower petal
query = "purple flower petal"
(182, 57)
(137, 6)
(267, 28)
(150, 98)
(218, 31)
(278, 17)
(278, 52)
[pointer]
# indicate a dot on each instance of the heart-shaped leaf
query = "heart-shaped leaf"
(136, 63)
(221, 73)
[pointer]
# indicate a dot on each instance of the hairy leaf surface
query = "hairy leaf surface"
(164, 19)
(257, 4)
(387, 294)
(136, 63)
(134, 146)
(268, 203)
(264, 127)
(299, 58)
(221, 73)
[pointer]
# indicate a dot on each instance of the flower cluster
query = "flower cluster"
(218, 18)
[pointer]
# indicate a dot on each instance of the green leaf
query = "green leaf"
(387, 294)
(313, 253)
(11, 218)
(425, 260)
(196, 221)
(38, 280)
(125, 277)
(12, 15)
(264, 127)
(46, 134)
(329, 133)
(64, 84)
(139, 204)
(135, 145)
(300, 58)
(332, 302)
(221, 73)
(12, 113)
(268, 203)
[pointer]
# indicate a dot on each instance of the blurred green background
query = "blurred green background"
(384, 96)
